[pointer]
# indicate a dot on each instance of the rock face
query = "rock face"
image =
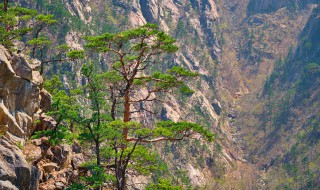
(22, 101)
(267, 6)
(19, 93)
(15, 172)
(20, 86)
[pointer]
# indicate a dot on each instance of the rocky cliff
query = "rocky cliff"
(20, 87)
(241, 48)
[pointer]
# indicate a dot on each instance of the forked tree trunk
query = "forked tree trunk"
(121, 183)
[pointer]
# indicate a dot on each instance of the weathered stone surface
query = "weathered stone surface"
(32, 150)
(7, 185)
(14, 168)
(263, 6)
(35, 176)
(46, 100)
(49, 167)
(5, 67)
(46, 122)
(20, 87)
(62, 155)
(6, 119)
(77, 160)
(217, 107)
(21, 67)
(149, 9)
(76, 147)
(24, 121)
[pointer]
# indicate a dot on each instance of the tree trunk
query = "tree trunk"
(98, 153)
(5, 5)
(98, 158)
(114, 104)
(121, 183)
(126, 114)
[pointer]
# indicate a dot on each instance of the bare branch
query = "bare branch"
(159, 139)
(141, 109)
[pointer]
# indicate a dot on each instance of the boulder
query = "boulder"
(24, 121)
(21, 66)
(15, 169)
(62, 155)
(5, 66)
(46, 100)
(6, 119)
(76, 147)
(217, 107)
(7, 185)
(77, 160)
(46, 122)
(49, 167)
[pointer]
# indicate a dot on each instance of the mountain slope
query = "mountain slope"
(258, 89)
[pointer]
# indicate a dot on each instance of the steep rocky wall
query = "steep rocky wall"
(20, 87)
(268, 6)
(234, 44)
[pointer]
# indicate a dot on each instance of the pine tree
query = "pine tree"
(102, 113)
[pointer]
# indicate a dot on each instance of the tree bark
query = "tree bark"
(126, 115)
(5, 5)
(114, 104)
(98, 152)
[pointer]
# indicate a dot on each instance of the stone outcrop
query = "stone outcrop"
(61, 165)
(15, 172)
(20, 87)
(19, 93)
(22, 102)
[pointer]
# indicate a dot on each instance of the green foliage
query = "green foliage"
(54, 85)
(98, 111)
(76, 186)
(163, 184)
(17, 22)
(40, 41)
(180, 71)
(97, 177)
(170, 129)
(14, 23)
(76, 54)
(184, 89)
(20, 145)
(63, 109)
(45, 19)
(312, 70)
(161, 40)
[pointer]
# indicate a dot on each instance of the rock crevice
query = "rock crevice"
(20, 86)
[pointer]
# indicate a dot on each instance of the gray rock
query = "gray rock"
(22, 67)
(217, 107)
(62, 155)
(5, 67)
(77, 160)
(6, 119)
(19, 102)
(7, 185)
(46, 100)
(59, 185)
(49, 167)
(14, 168)
(34, 180)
